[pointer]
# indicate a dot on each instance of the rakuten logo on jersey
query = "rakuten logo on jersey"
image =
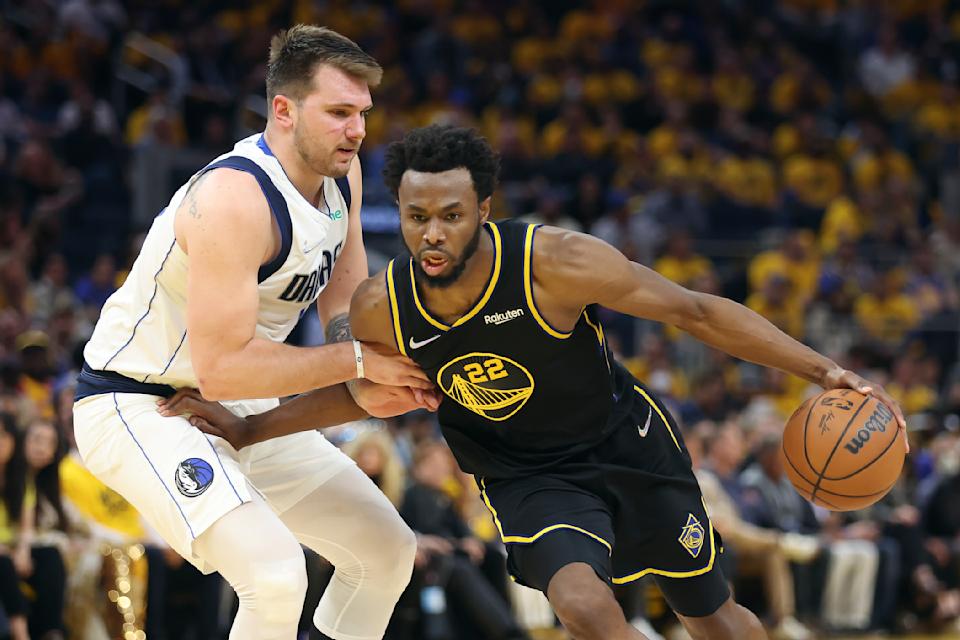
(500, 318)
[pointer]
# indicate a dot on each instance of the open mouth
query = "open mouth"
(433, 263)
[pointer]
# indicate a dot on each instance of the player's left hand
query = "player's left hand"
(386, 401)
(841, 378)
(209, 417)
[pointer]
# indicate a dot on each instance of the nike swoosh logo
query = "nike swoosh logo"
(308, 249)
(646, 426)
(416, 345)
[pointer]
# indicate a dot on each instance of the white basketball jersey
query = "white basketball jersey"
(142, 331)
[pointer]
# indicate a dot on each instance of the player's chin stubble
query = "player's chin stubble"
(444, 281)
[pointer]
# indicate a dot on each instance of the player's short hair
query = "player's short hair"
(439, 148)
(296, 53)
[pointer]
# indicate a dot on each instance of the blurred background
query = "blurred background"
(800, 156)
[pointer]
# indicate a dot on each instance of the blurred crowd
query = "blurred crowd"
(800, 156)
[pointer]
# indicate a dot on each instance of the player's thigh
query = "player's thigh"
(548, 521)
(536, 564)
(286, 470)
(696, 596)
(179, 479)
(348, 520)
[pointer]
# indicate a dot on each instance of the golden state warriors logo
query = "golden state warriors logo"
(491, 386)
(692, 535)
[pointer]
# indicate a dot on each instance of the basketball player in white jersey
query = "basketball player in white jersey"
(225, 272)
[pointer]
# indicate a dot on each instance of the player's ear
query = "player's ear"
(485, 209)
(283, 109)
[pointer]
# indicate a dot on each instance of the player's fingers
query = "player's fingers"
(206, 427)
(906, 440)
(417, 383)
(885, 398)
(183, 392)
(180, 402)
(183, 404)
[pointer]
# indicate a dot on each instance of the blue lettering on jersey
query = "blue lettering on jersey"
(305, 287)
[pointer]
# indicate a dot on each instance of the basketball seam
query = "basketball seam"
(836, 446)
(806, 422)
(786, 456)
(866, 495)
(896, 434)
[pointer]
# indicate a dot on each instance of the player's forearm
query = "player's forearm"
(741, 332)
(314, 410)
(266, 369)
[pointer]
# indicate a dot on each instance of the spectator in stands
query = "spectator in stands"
(447, 552)
(376, 454)
(752, 547)
(34, 486)
(11, 598)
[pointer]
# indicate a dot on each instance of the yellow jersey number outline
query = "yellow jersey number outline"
(470, 393)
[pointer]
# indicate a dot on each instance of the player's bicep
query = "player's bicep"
(226, 229)
(605, 276)
(370, 317)
(351, 267)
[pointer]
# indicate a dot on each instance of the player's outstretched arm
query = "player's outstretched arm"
(576, 269)
(320, 408)
(314, 410)
(225, 227)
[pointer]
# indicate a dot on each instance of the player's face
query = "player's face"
(440, 220)
(331, 121)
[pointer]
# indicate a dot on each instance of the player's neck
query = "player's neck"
(308, 182)
(451, 303)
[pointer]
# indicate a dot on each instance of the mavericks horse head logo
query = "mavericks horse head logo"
(193, 477)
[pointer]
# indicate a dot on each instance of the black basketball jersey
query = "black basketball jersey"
(520, 395)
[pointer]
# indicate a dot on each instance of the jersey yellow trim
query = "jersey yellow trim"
(677, 574)
(597, 328)
(528, 286)
(659, 413)
(538, 534)
(394, 310)
(494, 276)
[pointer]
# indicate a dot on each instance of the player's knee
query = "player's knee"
(729, 623)
(392, 560)
(587, 615)
(385, 561)
(398, 557)
(280, 589)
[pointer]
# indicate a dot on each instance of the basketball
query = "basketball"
(842, 450)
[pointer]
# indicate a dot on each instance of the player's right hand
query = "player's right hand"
(385, 366)
(384, 401)
(209, 417)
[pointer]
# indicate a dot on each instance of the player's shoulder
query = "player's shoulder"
(370, 293)
(230, 192)
(556, 249)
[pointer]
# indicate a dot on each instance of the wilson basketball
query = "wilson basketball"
(842, 450)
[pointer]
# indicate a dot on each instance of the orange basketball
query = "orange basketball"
(842, 450)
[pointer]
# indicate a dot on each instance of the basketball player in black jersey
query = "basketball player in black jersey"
(583, 469)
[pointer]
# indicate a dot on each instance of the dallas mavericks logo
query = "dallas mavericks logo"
(193, 477)
(692, 535)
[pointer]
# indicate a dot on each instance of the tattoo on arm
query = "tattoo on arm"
(191, 198)
(338, 329)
